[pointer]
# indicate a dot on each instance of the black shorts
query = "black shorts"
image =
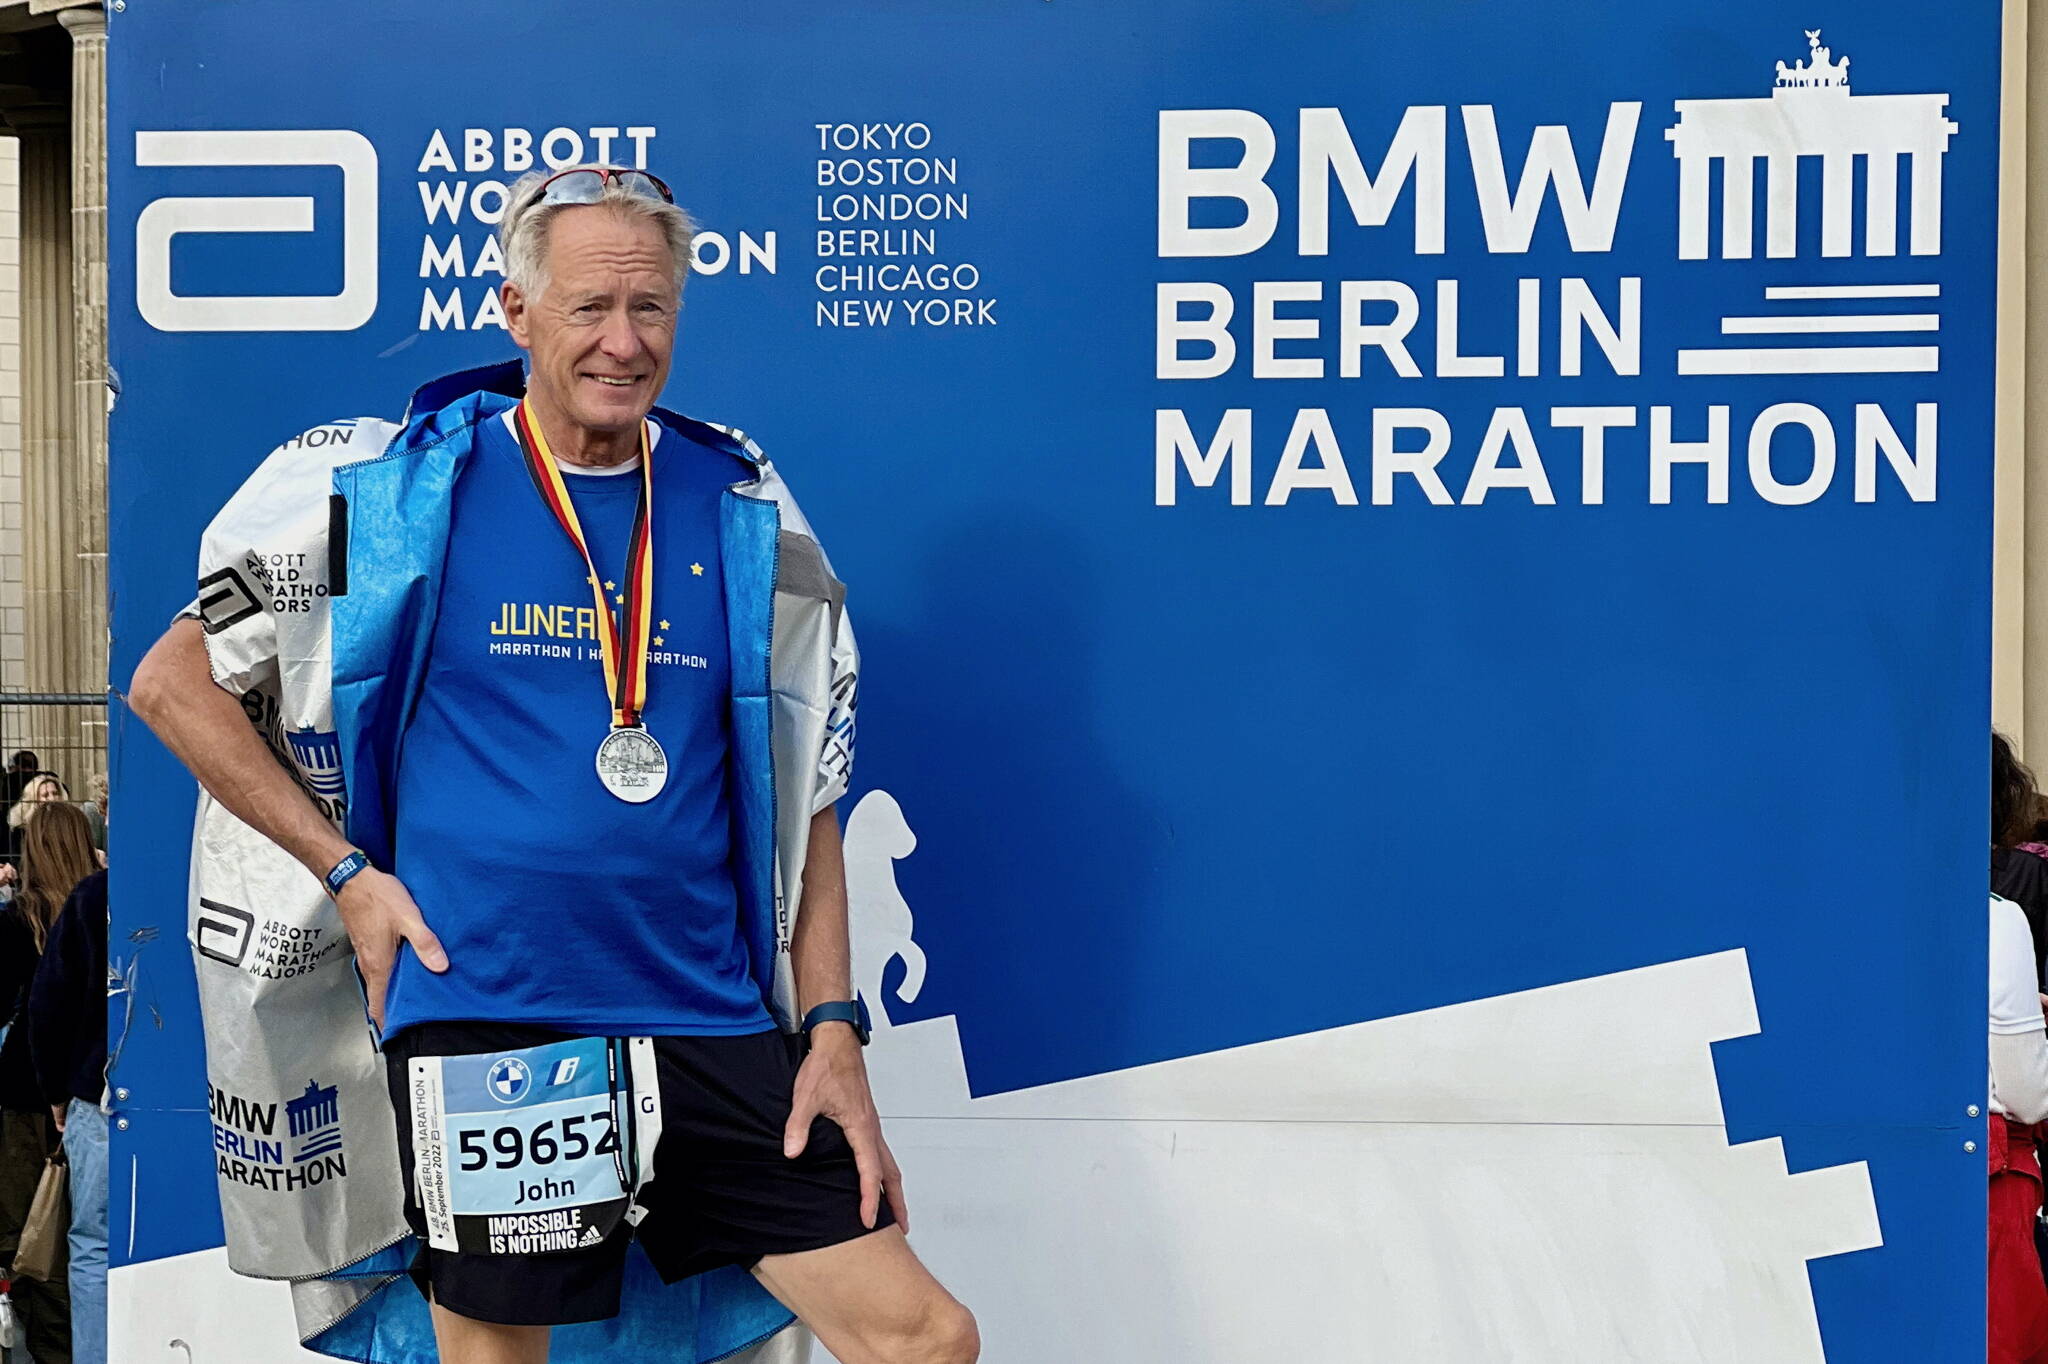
(722, 1192)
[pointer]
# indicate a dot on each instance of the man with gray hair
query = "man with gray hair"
(565, 629)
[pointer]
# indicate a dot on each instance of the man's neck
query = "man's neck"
(575, 444)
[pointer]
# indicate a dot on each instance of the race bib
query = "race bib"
(521, 1152)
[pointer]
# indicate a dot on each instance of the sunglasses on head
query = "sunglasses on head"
(586, 186)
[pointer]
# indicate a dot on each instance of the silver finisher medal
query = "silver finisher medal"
(631, 765)
(629, 762)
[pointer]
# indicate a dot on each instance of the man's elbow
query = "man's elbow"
(146, 688)
(159, 677)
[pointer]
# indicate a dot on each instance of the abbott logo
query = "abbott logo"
(165, 219)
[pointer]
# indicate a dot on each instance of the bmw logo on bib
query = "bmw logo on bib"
(509, 1080)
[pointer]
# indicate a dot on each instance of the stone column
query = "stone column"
(2025, 306)
(52, 628)
(12, 658)
(88, 666)
(2014, 706)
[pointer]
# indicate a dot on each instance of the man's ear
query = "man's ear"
(512, 299)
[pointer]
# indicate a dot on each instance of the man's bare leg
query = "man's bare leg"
(872, 1301)
(464, 1340)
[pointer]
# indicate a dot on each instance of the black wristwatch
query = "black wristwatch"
(854, 1011)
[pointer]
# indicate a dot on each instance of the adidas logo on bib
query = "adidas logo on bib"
(591, 1237)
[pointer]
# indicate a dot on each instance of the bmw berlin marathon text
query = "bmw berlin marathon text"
(1304, 327)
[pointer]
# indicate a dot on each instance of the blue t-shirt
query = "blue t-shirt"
(560, 904)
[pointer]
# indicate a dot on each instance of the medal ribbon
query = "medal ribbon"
(626, 686)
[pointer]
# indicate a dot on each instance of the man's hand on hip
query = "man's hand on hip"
(378, 912)
(833, 1083)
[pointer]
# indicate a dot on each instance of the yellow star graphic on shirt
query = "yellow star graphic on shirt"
(664, 625)
(657, 641)
(620, 599)
(697, 570)
(611, 587)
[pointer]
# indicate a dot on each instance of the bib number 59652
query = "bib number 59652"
(519, 1152)
(508, 1145)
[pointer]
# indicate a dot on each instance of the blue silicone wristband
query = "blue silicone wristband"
(839, 1011)
(356, 861)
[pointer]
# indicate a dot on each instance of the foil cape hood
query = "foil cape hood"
(318, 587)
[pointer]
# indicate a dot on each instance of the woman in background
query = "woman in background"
(56, 854)
(2017, 874)
(95, 807)
(67, 1031)
(41, 789)
(2016, 1297)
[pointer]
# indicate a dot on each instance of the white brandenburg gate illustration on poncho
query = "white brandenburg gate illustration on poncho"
(1811, 113)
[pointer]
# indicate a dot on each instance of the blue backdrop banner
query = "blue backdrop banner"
(1374, 531)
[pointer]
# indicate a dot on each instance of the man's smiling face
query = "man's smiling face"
(603, 329)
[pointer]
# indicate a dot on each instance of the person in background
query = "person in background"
(2037, 838)
(67, 1022)
(42, 788)
(2016, 1297)
(96, 810)
(2016, 874)
(57, 854)
(23, 765)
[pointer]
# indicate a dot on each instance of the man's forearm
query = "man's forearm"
(821, 956)
(175, 695)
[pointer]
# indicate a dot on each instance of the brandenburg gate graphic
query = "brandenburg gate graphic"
(1810, 112)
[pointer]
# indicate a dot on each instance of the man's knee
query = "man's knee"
(940, 1332)
(950, 1336)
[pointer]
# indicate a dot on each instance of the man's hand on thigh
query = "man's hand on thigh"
(871, 1301)
(833, 1082)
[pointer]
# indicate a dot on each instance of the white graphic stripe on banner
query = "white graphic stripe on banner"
(1812, 360)
(1852, 291)
(1835, 322)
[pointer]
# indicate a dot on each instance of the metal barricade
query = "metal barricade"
(64, 733)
